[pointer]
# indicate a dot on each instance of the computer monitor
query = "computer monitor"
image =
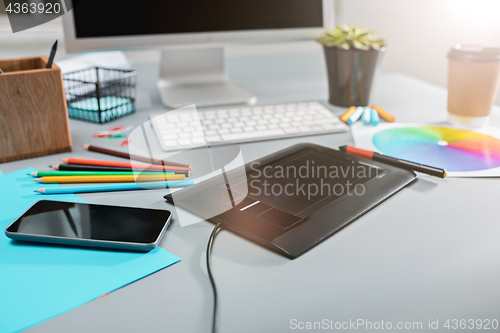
(191, 35)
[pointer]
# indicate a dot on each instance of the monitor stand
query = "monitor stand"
(197, 76)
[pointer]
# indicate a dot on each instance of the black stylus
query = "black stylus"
(398, 162)
(52, 55)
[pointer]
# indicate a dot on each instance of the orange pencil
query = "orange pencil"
(107, 179)
(84, 161)
(383, 114)
(347, 114)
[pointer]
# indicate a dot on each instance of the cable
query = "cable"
(215, 316)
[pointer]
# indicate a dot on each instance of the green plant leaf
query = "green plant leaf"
(345, 37)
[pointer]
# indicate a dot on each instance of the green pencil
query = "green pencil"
(93, 173)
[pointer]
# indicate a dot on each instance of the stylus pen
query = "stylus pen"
(397, 162)
(52, 55)
(115, 187)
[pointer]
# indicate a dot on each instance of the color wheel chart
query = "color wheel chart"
(455, 150)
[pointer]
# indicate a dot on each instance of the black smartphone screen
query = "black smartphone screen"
(91, 222)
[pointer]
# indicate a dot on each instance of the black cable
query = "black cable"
(215, 316)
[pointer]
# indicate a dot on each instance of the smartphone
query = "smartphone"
(89, 225)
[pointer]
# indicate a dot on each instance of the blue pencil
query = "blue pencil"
(115, 187)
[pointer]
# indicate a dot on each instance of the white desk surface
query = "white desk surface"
(430, 252)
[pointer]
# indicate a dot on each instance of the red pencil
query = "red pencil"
(84, 161)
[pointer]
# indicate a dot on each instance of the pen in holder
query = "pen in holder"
(33, 113)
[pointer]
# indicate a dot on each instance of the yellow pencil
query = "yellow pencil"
(347, 114)
(107, 179)
(383, 114)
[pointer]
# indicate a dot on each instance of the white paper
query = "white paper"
(363, 138)
(111, 59)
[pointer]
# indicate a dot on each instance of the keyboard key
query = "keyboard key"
(184, 142)
(252, 135)
(213, 138)
(199, 140)
(170, 136)
(166, 125)
(249, 129)
(170, 143)
(292, 130)
(329, 126)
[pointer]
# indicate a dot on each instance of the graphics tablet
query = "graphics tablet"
(295, 198)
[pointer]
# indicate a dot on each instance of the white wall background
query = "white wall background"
(420, 32)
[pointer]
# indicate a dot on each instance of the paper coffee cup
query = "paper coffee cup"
(473, 82)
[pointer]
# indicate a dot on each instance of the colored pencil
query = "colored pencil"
(347, 114)
(95, 173)
(132, 165)
(384, 114)
(115, 187)
(107, 179)
(397, 162)
(130, 156)
(74, 167)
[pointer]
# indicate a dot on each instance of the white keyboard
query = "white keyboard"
(189, 129)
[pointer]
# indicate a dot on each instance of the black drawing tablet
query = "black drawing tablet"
(294, 199)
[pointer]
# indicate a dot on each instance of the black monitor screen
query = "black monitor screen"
(97, 18)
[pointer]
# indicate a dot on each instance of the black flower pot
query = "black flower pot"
(350, 75)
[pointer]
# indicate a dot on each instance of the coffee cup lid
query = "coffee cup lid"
(474, 53)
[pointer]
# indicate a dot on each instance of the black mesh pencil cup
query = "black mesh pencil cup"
(100, 94)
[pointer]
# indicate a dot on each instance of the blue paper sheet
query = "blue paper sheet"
(38, 282)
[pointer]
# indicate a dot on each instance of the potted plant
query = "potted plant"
(351, 55)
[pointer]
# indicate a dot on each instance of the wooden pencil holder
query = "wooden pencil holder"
(33, 111)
